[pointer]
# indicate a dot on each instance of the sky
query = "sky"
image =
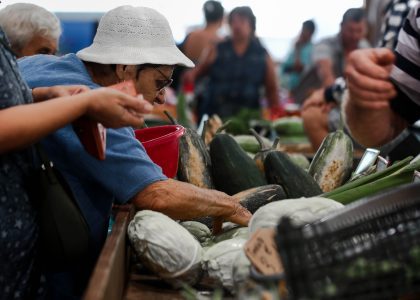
(278, 21)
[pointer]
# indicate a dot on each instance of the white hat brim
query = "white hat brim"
(103, 54)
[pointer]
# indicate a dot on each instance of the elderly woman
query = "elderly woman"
(30, 29)
(132, 43)
(237, 69)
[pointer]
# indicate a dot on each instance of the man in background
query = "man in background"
(329, 58)
(196, 42)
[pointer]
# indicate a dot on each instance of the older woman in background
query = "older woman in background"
(237, 69)
(30, 29)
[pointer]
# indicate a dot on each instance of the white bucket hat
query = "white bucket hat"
(131, 35)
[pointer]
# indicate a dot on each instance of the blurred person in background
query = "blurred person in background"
(330, 54)
(30, 29)
(299, 59)
(131, 43)
(395, 13)
(238, 68)
(196, 46)
(198, 42)
(329, 58)
(384, 88)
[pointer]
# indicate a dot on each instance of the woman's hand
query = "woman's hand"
(47, 93)
(115, 109)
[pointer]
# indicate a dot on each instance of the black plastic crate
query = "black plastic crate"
(368, 250)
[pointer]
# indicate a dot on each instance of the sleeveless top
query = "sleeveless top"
(235, 81)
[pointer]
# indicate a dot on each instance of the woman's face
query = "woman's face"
(39, 45)
(152, 81)
(240, 27)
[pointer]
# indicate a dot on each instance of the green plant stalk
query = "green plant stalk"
(399, 177)
(372, 188)
(369, 178)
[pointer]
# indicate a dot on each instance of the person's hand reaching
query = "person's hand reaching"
(367, 74)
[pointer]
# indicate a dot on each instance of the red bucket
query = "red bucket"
(162, 146)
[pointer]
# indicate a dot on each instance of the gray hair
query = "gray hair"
(21, 21)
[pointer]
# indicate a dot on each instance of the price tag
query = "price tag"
(262, 252)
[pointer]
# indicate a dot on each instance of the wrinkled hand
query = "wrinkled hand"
(46, 93)
(184, 201)
(115, 109)
(367, 73)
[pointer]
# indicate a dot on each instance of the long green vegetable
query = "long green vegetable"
(369, 178)
(399, 177)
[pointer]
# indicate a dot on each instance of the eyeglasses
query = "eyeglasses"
(162, 84)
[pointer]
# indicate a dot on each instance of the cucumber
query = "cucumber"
(280, 169)
(233, 171)
(333, 162)
(290, 126)
(250, 144)
(300, 160)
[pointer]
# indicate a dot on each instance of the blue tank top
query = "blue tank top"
(235, 80)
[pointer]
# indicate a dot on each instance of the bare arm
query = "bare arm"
(22, 125)
(271, 88)
(184, 201)
(369, 117)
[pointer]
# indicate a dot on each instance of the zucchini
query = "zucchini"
(300, 160)
(290, 126)
(279, 169)
(250, 144)
(233, 171)
(254, 198)
(194, 164)
(333, 162)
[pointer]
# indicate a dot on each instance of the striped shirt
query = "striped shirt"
(395, 13)
(406, 71)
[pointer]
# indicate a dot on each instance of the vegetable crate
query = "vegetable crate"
(368, 250)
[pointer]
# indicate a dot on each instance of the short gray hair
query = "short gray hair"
(21, 21)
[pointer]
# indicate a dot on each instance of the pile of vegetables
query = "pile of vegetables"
(268, 182)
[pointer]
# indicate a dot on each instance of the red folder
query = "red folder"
(92, 134)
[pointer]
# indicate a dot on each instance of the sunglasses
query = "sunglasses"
(162, 84)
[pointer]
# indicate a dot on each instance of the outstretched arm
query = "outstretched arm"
(184, 201)
(22, 125)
